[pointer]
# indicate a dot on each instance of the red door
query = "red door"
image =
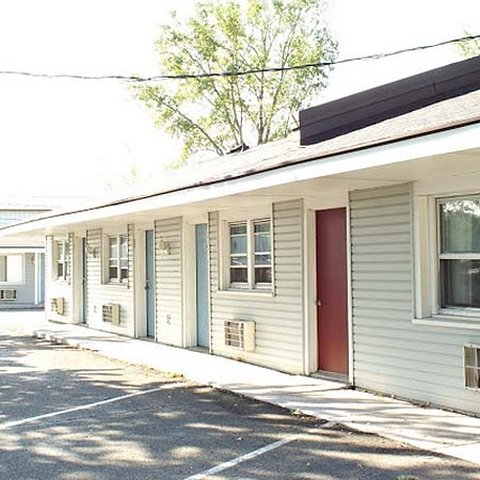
(332, 293)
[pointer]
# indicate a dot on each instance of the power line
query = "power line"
(153, 78)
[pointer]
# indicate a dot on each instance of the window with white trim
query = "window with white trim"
(250, 255)
(459, 253)
(11, 268)
(117, 249)
(62, 261)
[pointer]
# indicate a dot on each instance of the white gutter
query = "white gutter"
(447, 141)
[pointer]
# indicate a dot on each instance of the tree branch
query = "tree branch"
(177, 111)
(233, 125)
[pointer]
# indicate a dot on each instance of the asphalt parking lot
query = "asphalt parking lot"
(71, 414)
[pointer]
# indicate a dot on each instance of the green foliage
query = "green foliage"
(469, 48)
(219, 113)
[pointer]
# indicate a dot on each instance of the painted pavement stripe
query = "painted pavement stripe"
(88, 406)
(242, 458)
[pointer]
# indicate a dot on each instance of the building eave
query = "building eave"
(426, 145)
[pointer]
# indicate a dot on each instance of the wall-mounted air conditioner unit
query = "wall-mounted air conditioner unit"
(240, 334)
(8, 294)
(471, 363)
(57, 305)
(111, 313)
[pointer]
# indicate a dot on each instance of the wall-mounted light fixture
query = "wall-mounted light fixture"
(164, 247)
(90, 251)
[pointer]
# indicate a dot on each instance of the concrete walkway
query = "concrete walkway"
(427, 428)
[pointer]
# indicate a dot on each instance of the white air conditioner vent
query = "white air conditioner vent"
(111, 313)
(57, 305)
(8, 294)
(471, 361)
(240, 334)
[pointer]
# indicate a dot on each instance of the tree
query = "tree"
(219, 113)
(469, 48)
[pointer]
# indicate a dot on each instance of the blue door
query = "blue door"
(150, 283)
(202, 294)
(84, 280)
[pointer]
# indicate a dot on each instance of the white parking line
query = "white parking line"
(88, 406)
(242, 458)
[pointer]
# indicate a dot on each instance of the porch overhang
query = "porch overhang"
(395, 161)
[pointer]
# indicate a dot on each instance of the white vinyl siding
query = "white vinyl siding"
(99, 293)
(278, 315)
(392, 354)
(168, 280)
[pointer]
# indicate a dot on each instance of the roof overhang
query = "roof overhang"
(424, 146)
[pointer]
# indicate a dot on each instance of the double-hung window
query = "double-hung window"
(238, 253)
(118, 258)
(11, 268)
(250, 255)
(459, 253)
(62, 260)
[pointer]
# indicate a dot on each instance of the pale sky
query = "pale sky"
(68, 137)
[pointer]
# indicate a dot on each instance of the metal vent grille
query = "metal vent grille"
(240, 334)
(57, 305)
(111, 313)
(8, 294)
(472, 366)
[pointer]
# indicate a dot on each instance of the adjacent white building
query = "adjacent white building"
(22, 262)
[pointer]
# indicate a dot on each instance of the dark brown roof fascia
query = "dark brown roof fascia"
(363, 109)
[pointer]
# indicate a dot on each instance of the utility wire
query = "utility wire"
(232, 73)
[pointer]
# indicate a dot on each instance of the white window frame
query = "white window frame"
(427, 255)
(250, 285)
(118, 260)
(22, 279)
(469, 311)
(63, 260)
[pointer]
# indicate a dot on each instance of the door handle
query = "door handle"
(318, 303)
